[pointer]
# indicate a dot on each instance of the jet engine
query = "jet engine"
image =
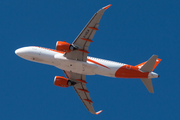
(63, 46)
(61, 81)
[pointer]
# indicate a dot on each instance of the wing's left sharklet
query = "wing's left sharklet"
(106, 7)
(97, 113)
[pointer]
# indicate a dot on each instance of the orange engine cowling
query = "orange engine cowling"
(63, 46)
(61, 81)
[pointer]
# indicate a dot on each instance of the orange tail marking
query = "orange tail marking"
(157, 62)
(140, 65)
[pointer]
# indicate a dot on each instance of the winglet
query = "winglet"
(97, 113)
(106, 7)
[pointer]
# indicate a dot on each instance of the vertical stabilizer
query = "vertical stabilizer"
(158, 60)
(148, 83)
(149, 65)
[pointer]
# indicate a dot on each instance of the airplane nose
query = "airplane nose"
(20, 52)
(16, 51)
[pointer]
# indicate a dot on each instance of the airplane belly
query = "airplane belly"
(74, 66)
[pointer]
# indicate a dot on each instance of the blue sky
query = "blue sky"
(129, 32)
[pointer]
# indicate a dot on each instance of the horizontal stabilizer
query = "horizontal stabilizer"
(149, 65)
(148, 83)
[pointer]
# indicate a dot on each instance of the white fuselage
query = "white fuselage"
(91, 67)
(52, 57)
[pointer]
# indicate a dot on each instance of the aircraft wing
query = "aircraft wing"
(81, 90)
(85, 37)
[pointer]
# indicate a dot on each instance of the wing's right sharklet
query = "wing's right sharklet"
(97, 113)
(106, 7)
(149, 65)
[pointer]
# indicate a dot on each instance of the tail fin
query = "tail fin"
(156, 63)
(149, 66)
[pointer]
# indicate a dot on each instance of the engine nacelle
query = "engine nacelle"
(61, 81)
(63, 46)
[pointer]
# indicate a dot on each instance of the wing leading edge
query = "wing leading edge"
(85, 37)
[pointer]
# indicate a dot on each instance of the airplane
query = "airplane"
(73, 59)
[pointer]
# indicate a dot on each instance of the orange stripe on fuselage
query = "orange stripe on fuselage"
(128, 71)
(89, 60)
